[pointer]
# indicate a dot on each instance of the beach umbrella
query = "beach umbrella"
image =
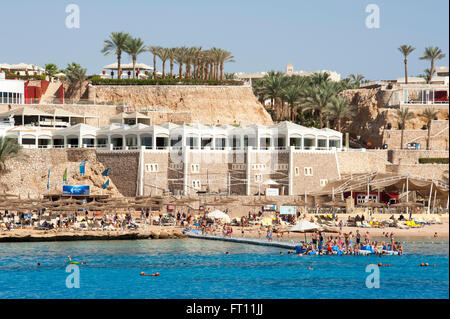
(335, 204)
(217, 214)
(407, 204)
(295, 203)
(372, 204)
(303, 226)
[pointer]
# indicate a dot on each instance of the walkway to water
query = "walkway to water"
(250, 241)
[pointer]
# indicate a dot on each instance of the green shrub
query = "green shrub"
(433, 160)
(97, 80)
(26, 77)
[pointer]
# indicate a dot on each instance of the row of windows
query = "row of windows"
(238, 167)
(195, 168)
(196, 184)
(176, 165)
(11, 98)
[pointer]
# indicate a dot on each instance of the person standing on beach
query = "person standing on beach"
(367, 237)
(358, 237)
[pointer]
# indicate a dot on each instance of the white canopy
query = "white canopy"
(270, 182)
(304, 225)
(217, 214)
(128, 66)
(21, 66)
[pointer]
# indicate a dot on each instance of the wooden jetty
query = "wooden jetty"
(250, 241)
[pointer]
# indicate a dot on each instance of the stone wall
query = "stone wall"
(412, 156)
(28, 174)
(357, 162)
(124, 169)
(206, 104)
(156, 182)
(324, 167)
(439, 136)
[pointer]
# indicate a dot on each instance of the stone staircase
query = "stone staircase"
(50, 96)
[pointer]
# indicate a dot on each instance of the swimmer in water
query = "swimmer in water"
(73, 262)
(151, 275)
(38, 264)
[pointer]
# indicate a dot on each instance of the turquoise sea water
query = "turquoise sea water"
(193, 268)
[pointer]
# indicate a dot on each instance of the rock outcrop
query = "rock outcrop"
(28, 175)
(205, 104)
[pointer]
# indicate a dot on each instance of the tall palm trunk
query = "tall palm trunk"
(134, 67)
(406, 71)
(119, 53)
(401, 139)
(154, 66)
(171, 68)
(180, 70)
(221, 71)
(432, 70)
(320, 119)
(163, 69)
(338, 124)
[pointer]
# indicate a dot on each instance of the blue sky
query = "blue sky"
(262, 35)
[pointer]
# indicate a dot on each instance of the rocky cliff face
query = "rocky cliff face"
(206, 104)
(28, 175)
(372, 117)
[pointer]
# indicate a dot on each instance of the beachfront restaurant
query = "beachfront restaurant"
(194, 136)
(131, 118)
(57, 118)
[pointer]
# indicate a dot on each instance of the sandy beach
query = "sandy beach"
(30, 235)
(175, 232)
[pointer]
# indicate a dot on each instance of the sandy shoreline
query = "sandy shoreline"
(29, 235)
(171, 232)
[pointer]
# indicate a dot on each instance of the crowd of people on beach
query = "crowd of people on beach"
(350, 244)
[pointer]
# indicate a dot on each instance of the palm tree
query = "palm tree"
(116, 44)
(163, 55)
(429, 114)
(318, 99)
(432, 54)
(339, 109)
(225, 56)
(356, 79)
(406, 50)
(319, 79)
(195, 53)
(75, 76)
(404, 115)
(134, 47)
(155, 51)
(180, 58)
(9, 148)
(292, 95)
(172, 53)
(51, 69)
(428, 76)
(272, 88)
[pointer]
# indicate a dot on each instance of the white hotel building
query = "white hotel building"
(188, 158)
(11, 91)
